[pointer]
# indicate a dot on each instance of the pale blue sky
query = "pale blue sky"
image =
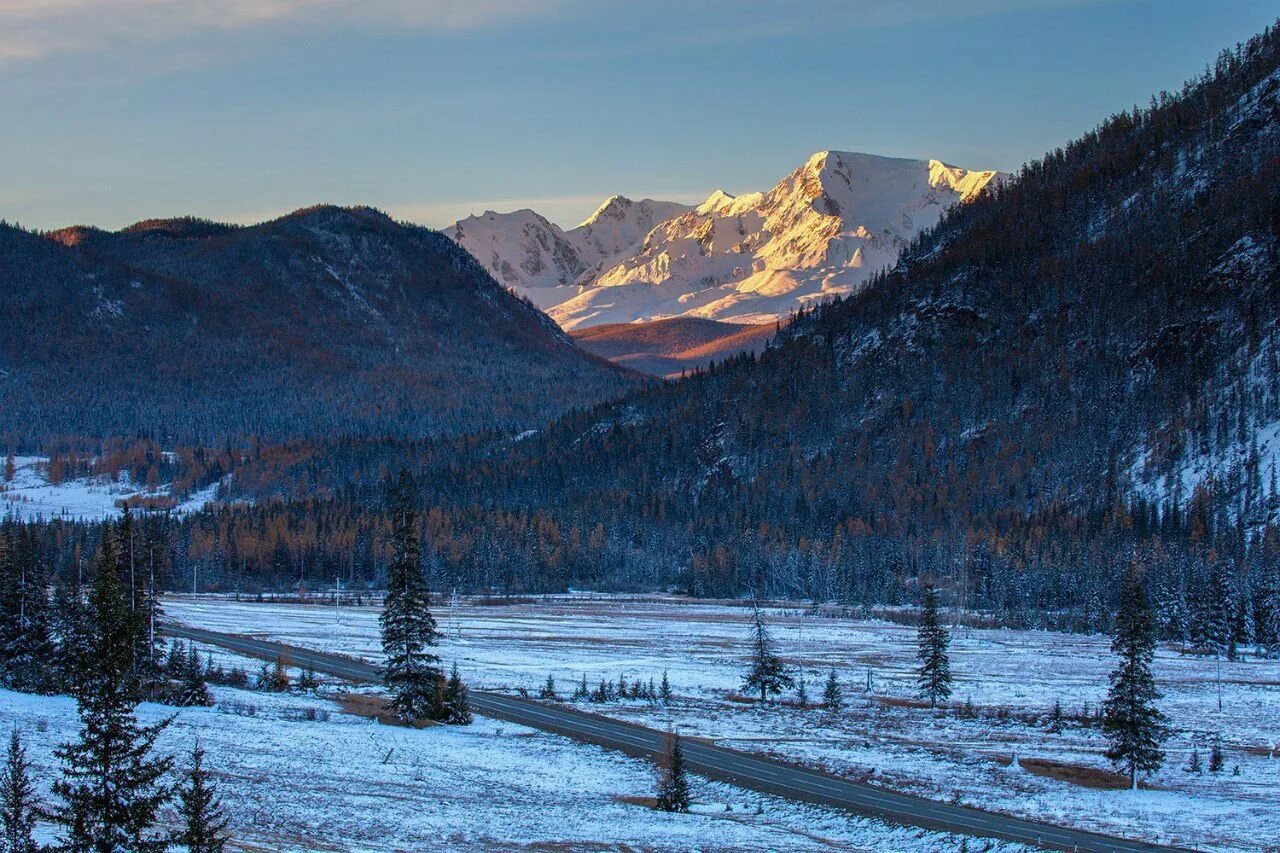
(116, 110)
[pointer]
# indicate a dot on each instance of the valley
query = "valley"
(1006, 686)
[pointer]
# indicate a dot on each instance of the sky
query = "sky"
(113, 111)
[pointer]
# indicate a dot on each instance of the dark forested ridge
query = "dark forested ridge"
(327, 321)
(1076, 371)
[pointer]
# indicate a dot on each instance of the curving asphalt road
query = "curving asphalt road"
(758, 773)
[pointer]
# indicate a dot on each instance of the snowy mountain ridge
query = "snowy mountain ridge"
(540, 260)
(756, 257)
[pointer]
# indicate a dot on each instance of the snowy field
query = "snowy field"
(296, 773)
(1011, 680)
(30, 495)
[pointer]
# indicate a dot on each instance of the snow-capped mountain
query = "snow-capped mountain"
(540, 260)
(822, 230)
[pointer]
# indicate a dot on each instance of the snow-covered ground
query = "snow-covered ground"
(30, 495)
(1011, 678)
(297, 773)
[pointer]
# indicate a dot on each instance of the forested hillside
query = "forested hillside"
(327, 321)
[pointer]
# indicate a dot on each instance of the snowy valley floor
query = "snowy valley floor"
(1011, 679)
(296, 773)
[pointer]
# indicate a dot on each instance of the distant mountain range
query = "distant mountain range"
(327, 321)
(754, 258)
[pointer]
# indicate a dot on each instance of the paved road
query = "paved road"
(758, 773)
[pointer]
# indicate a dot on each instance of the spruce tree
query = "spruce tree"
(1132, 724)
(457, 703)
(412, 671)
(19, 808)
(111, 786)
(832, 695)
(548, 691)
(204, 825)
(767, 673)
(1216, 759)
(194, 691)
(664, 689)
(26, 629)
(673, 784)
(934, 676)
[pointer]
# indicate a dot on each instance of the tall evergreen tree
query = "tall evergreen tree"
(26, 631)
(767, 674)
(932, 638)
(673, 783)
(19, 808)
(204, 824)
(457, 703)
(1133, 726)
(111, 786)
(412, 671)
(832, 695)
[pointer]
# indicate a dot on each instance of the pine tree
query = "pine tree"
(832, 695)
(194, 691)
(1269, 614)
(767, 673)
(1194, 765)
(548, 691)
(673, 784)
(664, 689)
(1216, 759)
(19, 809)
(26, 629)
(457, 704)
(408, 629)
(802, 693)
(581, 692)
(72, 630)
(204, 828)
(111, 786)
(934, 677)
(1055, 717)
(1215, 617)
(1132, 724)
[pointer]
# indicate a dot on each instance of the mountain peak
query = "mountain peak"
(614, 207)
(717, 201)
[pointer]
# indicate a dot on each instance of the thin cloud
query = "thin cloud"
(35, 29)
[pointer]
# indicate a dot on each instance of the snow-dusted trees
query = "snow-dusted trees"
(111, 787)
(456, 702)
(412, 671)
(932, 639)
(26, 638)
(673, 783)
(19, 808)
(832, 695)
(767, 673)
(1134, 727)
(204, 825)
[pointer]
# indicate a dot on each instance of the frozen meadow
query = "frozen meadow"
(1007, 683)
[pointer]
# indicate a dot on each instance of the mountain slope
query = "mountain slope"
(543, 262)
(327, 320)
(672, 346)
(1079, 367)
(820, 232)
